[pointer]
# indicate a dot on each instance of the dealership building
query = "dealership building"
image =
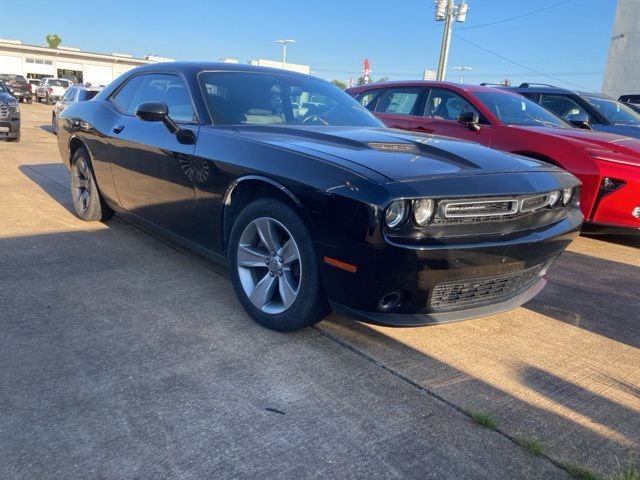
(33, 61)
(622, 74)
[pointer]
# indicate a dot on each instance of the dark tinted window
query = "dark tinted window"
(156, 87)
(399, 101)
(367, 99)
(69, 94)
(446, 105)
(257, 98)
(564, 106)
(615, 112)
(85, 95)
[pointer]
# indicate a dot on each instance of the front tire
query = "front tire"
(274, 269)
(87, 201)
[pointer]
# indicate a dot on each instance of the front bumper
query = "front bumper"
(444, 283)
(616, 209)
(13, 127)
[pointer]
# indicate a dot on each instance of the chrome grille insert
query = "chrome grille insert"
(468, 292)
(4, 110)
(478, 208)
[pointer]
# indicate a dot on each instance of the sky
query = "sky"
(560, 42)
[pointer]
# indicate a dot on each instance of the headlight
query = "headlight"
(567, 193)
(396, 213)
(553, 197)
(422, 211)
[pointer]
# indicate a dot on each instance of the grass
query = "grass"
(530, 444)
(630, 473)
(484, 419)
(581, 473)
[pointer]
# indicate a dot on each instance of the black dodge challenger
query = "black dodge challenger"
(311, 202)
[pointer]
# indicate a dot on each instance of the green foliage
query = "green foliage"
(484, 420)
(581, 473)
(53, 40)
(530, 443)
(339, 84)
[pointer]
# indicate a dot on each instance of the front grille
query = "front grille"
(481, 290)
(4, 110)
(488, 210)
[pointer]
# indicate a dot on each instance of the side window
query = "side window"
(563, 106)
(399, 101)
(446, 105)
(367, 99)
(156, 87)
(69, 94)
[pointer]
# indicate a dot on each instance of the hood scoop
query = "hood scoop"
(395, 147)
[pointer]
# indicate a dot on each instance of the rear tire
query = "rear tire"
(87, 201)
(54, 124)
(274, 268)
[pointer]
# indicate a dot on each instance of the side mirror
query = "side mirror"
(580, 120)
(156, 112)
(469, 120)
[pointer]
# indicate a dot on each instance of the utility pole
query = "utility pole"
(447, 11)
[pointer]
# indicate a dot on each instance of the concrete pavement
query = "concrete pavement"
(124, 357)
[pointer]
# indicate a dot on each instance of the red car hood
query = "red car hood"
(600, 144)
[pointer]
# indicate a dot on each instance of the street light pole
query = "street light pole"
(284, 44)
(446, 41)
(447, 11)
(462, 69)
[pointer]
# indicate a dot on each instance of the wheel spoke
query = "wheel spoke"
(82, 167)
(287, 289)
(84, 199)
(78, 182)
(251, 257)
(263, 291)
(268, 234)
(289, 252)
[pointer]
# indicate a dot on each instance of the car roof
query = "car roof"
(194, 67)
(542, 88)
(428, 83)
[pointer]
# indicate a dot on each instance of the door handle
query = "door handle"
(118, 128)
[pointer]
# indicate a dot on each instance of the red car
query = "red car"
(608, 165)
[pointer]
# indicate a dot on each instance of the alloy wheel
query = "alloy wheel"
(269, 266)
(81, 185)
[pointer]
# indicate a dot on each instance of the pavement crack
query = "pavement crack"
(432, 394)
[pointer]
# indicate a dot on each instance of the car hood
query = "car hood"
(626, 147)
(626, 130)
(398, 155)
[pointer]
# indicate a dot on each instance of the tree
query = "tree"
(360, 80)
(53, 40)
(506, 82)
(341, 85)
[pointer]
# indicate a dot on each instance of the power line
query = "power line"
(518, 64)
(517, 16)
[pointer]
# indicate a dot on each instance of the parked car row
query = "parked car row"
(17, 86)
(9, 115)
(607, 164)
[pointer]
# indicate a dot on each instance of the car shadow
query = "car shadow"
(46, 128)
(107, 255)
(565, 439)
(593, 294)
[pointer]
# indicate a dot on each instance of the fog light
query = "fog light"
(396, 213)
(636, 212)
(422, 211)
(608, 185)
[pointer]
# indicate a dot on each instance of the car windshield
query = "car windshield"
(614, 111)
(516, 110)
(2, 87)
(21, 79)
(279, 99)
(58, 83)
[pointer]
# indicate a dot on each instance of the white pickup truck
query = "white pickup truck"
(52, 90)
